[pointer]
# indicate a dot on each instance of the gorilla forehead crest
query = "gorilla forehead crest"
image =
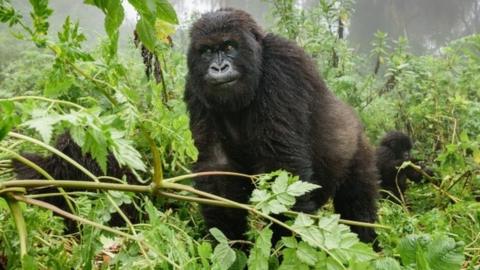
(224, 20)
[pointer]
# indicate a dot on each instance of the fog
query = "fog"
(428, 24)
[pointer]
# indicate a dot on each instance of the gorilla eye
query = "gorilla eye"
(205, 50)
(229, 48)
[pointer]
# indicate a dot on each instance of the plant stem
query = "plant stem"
(208, 173)
(44, 99)
(431, 180)
(88, 185)
(19, 223)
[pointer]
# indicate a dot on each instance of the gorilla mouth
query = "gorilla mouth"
(222, 81)
(226, 83)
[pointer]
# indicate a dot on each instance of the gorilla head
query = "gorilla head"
(225, 59)
(399, 144)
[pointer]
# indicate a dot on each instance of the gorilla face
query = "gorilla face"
(224, 59)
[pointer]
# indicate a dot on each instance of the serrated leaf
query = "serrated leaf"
(291, 262)
(259, 196)
(218, 235)
(286, 199)
(223, 257)
(348, 240)
(260, 253)
(361, 252)
(386, 264)
(125, 153)
(96, 145)
(329, 222)
(44, 125)
(290, 242)
(204, 252)
(276, 207)
(306, 254)
(444, 253)
(280, 184)
(313, 236)
(302, 220)
(409, 246)
(299, 188)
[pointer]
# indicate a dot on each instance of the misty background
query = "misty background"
(428, 24)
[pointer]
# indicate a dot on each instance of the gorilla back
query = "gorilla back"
(257, 104)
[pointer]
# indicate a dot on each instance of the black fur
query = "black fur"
(394, 149)
(60, 169)
(280, 114)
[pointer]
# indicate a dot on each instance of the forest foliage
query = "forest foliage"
(129, 102)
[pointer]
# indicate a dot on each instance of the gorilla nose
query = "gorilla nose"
(221, 73)
(216, 68)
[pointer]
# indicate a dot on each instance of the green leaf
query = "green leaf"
(8, 14)
(223, 257)
(286, 199)
(58, 82)
(259, 196)
(281, 183)
(290, 242)
(444, 253)
(307, 254)
(145, 8)
(409, 246)
(240, 262)
(275, 207)
(43, 124)
(361, 252)
(303, 220)
(386, 264)
(204, 251)
(40, 15)
(218, 235)
(165, 12)
(96, 145)
(163, 30)
(125, 153)
(260, 253)
(114, 14)
(291, 262)
(146, 32)
(8, 118)
(299, 188)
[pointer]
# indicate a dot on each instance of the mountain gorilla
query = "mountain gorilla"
(395, 149)
(257, 104)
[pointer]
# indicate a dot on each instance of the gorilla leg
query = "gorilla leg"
(232, 222)
(356, 198)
